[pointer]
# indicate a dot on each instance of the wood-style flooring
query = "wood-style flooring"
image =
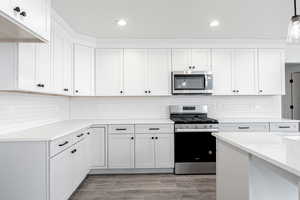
(147, 187)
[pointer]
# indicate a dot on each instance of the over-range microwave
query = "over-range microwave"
(192, 82)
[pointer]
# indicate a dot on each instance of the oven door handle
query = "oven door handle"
(183, 130)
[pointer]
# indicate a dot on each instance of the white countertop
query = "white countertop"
(56, 130)
(255, 120)
(263, 145)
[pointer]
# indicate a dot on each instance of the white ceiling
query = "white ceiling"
(266, 19)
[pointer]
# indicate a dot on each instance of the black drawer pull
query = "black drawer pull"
(88, 133)
(284, 127)
(121, 129)
(80, 135)
(63, 144)
(153, 129)
(74, 151)
(244, 127)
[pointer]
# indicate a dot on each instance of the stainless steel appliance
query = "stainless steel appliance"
(195, 147)
(192, 82)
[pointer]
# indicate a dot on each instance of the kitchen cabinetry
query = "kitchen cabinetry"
(271, 71)
(62, 51)
(25, 20)
(235, 71)
(135, 68)
(191, 59)
(83, 70)
(97, 148)
(121, 151)
(244, 127)
(26, 67)
(109, 72)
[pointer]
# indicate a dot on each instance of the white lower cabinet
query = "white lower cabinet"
(97, 148)
(154, 151)
(121, 151)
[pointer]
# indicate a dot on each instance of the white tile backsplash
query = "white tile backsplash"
(157, 107)
(23, 110)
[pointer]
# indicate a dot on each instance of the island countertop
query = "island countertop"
(268, 147)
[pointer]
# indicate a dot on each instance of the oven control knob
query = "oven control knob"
(210, 126)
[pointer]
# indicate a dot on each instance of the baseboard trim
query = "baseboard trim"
(132, 171)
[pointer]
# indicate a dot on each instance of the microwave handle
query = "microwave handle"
(206, 81)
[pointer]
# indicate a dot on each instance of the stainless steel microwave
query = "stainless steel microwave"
(192, 82)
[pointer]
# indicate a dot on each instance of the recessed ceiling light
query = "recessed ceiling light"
(121, 22)
(214, 23)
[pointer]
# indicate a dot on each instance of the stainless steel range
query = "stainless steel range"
(195, 147)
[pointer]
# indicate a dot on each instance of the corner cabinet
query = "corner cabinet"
(25, 21)
(83, 70)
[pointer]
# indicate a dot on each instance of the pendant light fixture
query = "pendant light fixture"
(294, 27)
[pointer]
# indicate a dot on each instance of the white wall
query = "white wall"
(20, 110)
(157, 107)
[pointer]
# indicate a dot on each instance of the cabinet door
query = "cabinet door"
(135, 67)
(164, 150)
(245, 80)
(43, 66)
(144, 151)
(58, 60)
(222, 71)
(201, 59)
(181, 59)
(26, 66)
(61, 176)
(271, 71)
(83, 70)
(159, 71)
(68, 68)
(97, 148)
(121, 151)
(109, 72)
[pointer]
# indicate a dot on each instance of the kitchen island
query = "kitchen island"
(257, 166)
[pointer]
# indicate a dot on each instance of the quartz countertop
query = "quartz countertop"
(268, 147)
(60, 129)
(256, 120)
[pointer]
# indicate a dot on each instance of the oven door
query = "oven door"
(192, 147)
(196, 83)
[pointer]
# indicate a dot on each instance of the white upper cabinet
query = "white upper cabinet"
(43, 67)
(191, 59)
(109, 72)
(26, 68)
(135, 68)
(244, 71)
(271, 71)
(159, 71)
(25, 20)
(83, 70)
(222, 71)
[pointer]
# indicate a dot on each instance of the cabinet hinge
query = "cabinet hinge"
(291, 81)
(292, 107)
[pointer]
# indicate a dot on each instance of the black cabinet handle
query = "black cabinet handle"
(132, 138)
(73, 151)
(152, 138)
(153, 129)
(23, 13)
(76, 91)
(17, 9)
(146, 91)
(149, 91)
(121, 92)
(88, 133)
(121, 129)
(237, 91)
(80, 135)
(260, 90)
(42, 85)
(284, 127)
(156, 138)
(244, 127)
(63, 144)
(66, 89)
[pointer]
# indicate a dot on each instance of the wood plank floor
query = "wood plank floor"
(147, 187)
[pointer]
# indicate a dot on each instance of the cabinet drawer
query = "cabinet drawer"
(284, 127)
(244, 127)
(61, 144)
(121, 128)
(154, 128)
(79, 135)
